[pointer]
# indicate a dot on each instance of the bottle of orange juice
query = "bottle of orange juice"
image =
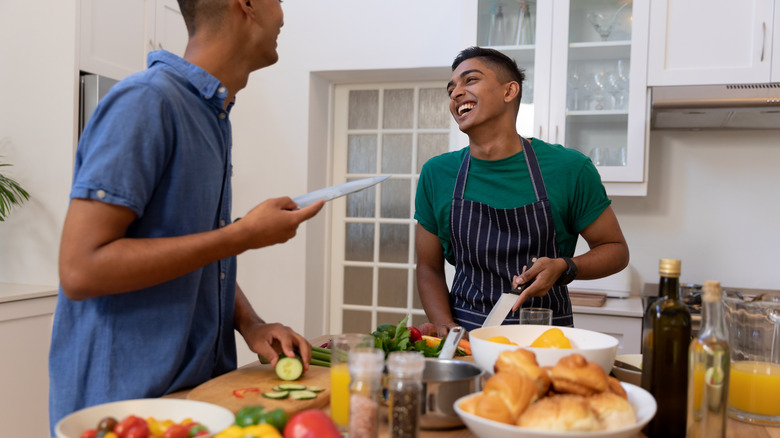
(708, 369)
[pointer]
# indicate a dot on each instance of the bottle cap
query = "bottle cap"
(366, 362)
(711, 292)
(406, 363)
(669, 267)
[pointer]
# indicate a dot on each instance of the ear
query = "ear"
(511, 91)
(248, 6)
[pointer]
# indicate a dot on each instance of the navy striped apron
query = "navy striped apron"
(492, 245)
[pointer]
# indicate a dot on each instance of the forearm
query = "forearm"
(128, 264)
(434, 296)
(244, 315)
(602, 261)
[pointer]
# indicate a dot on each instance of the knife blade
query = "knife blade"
(333, 192)
(501, 309)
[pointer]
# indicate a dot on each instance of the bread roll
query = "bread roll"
(490, 406)
(612, 410)
(516, 390)
(523, 362)
(575, 375)
(562, 412)
(614, 386)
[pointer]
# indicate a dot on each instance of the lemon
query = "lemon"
(553, 338)
(501, 340)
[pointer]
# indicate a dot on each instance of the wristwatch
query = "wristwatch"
(569, 274)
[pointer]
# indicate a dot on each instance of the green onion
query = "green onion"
(320, 356)
(321, 363)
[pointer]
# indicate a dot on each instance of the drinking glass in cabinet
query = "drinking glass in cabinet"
(604, 22)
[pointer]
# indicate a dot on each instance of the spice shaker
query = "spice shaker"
(365, 391)
(405, 392)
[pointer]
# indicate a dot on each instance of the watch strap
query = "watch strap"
(569, 274)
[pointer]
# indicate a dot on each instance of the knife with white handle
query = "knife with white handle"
(336, 191)
(504, 305)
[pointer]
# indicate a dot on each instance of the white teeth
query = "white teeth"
(465, 107)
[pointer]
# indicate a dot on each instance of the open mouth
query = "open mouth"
(464, 108)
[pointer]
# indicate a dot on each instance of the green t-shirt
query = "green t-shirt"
(577, 196)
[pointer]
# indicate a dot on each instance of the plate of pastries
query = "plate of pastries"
(572, 398)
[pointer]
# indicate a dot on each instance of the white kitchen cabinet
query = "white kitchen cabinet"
(711, 42)
(25, 334)
(583, 90)
(116, 35)
(618, 317)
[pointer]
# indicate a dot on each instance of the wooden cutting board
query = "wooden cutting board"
(261, 376)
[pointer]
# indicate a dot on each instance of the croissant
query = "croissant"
(561, 412)
(516, 390)
(575, 375)
(612, 410)
(523, 362)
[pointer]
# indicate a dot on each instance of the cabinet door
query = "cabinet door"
(170, 31)
(598, 97)
(776, 46)
(698, 42)
(522, 29)
(112, 37)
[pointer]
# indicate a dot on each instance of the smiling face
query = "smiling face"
(269, 19)
(478, 95)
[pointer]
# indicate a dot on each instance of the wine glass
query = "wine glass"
(616, 86)
(602, 23)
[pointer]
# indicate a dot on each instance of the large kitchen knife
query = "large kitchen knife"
(504, 305)
(334, 192)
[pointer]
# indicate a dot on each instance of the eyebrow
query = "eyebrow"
(465, 73)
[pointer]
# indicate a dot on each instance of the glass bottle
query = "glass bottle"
(708, 368)
(405, 392)
(665, 341)
(525, 26)
(365, 391)
(497, 27)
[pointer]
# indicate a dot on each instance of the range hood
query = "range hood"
(740, 106)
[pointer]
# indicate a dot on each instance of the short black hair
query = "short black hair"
(198, 12)
(505, 67)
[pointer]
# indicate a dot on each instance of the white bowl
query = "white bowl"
(626, 375)
(641, 400)
(594, 346)
(215, 418)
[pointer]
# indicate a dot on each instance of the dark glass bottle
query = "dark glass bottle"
(665, 341)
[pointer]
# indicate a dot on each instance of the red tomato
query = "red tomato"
(429, 329)
(414, 334)
(89, 433)
(311, 424)
(177, 431)
(123, 427)
(140, 430)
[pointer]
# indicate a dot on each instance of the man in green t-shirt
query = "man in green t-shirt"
(525, 199)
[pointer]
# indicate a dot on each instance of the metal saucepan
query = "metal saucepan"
(444, 381)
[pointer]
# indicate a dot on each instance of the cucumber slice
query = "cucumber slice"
(292, 387)
(303, 395)
(315, 389)
(277, 388)
(276, 395)
(289, 368)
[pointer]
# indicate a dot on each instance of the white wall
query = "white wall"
(713, 201)
(38, 85)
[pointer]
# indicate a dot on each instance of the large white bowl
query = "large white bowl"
(215, 418)
(594, 346)
(641, 400)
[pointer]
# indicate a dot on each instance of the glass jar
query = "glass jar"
(405, 393)
(365, 391)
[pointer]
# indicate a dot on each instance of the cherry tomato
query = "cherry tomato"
(414, 334)
(311, 424)
(177, 431)
(123, 427)
(140, 430)
(197, 429)
(89, 433)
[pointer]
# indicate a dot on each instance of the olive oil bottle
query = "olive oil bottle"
(708, 370)
(665, 340)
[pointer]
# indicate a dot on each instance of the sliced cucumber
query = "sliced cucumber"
(303, 395)
(292, 387)
(289, 368)
(315, 389)
(276, 395)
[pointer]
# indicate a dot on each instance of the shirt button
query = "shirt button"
(222, 223)
(101, 194)
(222, 116)
(221, 275)
(221, 89)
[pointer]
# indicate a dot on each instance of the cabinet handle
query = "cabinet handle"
(159, 46)
(763, 40)
(540, 132)
(151, 45)
(556, 134)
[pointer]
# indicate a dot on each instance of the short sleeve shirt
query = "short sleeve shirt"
(158, 144)
(574, 188)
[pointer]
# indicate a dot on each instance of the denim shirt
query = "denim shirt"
(159, 144)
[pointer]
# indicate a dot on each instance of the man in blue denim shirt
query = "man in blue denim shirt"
(148, 298)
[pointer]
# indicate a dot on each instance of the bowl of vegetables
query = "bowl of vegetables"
(176, 417)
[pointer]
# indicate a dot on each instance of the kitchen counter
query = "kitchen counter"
(16, 292)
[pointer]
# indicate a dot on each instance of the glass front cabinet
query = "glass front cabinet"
(586, 78)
